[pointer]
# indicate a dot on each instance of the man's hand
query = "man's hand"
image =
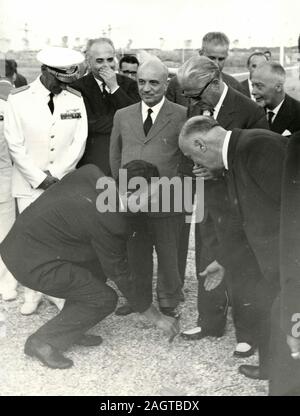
(109, 77)
(202, 172)
(48, 181)
(214, 274)
(294, 344)
(167, 324)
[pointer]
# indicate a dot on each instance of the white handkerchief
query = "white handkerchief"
(286, 133)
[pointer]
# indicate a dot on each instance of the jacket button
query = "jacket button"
(52, 150)
(52, 137)
(51, 162)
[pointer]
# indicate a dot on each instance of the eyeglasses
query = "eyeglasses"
(198, 96)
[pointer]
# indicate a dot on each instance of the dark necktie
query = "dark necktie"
(104, 90)
(51, 103)
(148, 122)
(270, 115)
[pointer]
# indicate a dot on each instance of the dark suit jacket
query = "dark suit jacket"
(100, 112)
(245, 86)
(255, 167)
(288, 117)
(290, 236)
(64, 225)
(237, 111)
(174, 91)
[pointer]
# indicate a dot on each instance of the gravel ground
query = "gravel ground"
(134, 359)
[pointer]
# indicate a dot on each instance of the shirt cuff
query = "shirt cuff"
(115, 89)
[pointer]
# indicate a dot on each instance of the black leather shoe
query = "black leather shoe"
(124, 310)
(197, 335)
(89, 340)
(47, 354)
(173, 312)
(253, 371)
(244, 354)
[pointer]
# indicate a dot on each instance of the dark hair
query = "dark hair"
(140, 168)
(9, 68)
(255, 54)
(129, 59)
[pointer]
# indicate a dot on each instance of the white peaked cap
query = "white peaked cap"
(58, 57)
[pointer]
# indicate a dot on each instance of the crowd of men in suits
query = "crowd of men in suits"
(202, 124)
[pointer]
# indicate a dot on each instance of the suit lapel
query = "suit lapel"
(284, 116)
(136, 121)
(162, 120)
(227, 109)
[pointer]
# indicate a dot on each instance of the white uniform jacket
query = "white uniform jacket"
(40, 141)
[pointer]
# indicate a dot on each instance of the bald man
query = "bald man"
(149, 131)
(253, 161)
(283, 111)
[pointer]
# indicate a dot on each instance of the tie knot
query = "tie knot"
(150, 111)
(51, 95)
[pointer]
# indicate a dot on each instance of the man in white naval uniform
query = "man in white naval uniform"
(46, 129)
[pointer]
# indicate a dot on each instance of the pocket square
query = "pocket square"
(286, 133)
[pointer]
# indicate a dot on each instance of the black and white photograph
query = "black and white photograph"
(149, 200)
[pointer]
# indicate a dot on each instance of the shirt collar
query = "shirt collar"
(225, 149)
(276, 109)
(220, 102)
(155, 109)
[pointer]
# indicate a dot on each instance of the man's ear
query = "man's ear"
(279, 87)
(200, 144)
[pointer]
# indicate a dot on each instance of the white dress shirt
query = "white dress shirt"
(100, 83)
(225, 149)
(155, 110)
(275, 111)
(251, 89)
(220, 102)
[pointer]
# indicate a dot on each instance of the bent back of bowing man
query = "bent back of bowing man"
(69, 248)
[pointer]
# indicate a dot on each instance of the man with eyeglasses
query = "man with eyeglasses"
(104, 92)
(202, 83)
(128, 66)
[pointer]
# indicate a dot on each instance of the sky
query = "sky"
(149, 23)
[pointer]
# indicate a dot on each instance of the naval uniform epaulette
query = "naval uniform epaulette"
(73, 91)
(20, 89)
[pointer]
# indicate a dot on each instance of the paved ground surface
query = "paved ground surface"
(135, 359)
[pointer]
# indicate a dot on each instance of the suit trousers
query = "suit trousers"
(88, 300)
(242, 272)
(284, 370)
(265, 295)
(163, 233)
